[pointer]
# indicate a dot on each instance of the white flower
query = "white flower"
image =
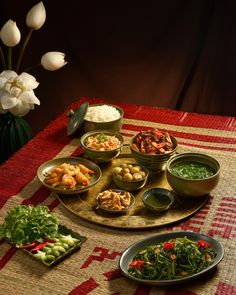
(53, 60)
(16, 93)
(10, 34)
(36, 16)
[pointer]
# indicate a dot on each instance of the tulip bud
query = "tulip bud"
(36, 16)
(10, 34)
(53, 60)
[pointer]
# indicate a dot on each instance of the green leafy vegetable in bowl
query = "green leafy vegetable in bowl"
(173, 259)
(26, 224)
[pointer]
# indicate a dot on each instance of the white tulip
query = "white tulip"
(10, 34)
(36, 16)
(53, 60)
(16, 93)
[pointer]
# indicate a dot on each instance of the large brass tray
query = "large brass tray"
(84, 206)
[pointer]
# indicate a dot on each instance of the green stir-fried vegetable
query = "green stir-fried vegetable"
(173, 259)
(25, 224)
(192, 170)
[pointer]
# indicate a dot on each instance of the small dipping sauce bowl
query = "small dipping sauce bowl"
(157, 199)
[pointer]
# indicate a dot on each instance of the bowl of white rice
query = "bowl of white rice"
(103, 117)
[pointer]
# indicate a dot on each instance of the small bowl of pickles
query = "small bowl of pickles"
(193, 174)
(130, 176)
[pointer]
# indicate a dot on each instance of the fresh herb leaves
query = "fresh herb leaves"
(26, 224)
(102, 137)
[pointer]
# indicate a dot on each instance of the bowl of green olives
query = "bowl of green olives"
(130, 176)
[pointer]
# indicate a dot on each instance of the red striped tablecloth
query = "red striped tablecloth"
(94, 270)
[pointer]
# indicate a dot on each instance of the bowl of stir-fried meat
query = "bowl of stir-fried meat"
(153, 148)
(69, 175)
(102, 145)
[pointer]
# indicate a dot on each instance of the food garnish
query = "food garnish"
(68, 176)
(153, 142)
(173, 259)
(114, 200)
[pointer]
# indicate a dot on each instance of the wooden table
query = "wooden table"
(94, 269)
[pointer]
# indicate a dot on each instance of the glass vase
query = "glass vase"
(14, 133)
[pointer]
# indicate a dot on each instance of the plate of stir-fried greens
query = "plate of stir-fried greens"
(170, 258)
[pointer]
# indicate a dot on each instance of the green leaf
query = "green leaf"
(26, 224)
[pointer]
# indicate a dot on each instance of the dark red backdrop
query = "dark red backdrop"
(176, 54)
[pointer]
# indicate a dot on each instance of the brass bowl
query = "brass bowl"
(133, 184)
(101, 156)
(154, 163)
(114, 125)
(157, 199)
(112, 211)
(193, 187)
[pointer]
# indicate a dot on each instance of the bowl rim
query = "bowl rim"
(133, 181)
(165, 191)
(153, 155)
(121, 111)
(108, 132)
(115, 211)
(193, 154)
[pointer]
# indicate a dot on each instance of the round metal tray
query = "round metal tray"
(84, 204)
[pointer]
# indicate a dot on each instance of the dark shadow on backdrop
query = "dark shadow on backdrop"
(175, 54)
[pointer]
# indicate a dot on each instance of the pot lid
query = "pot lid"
(76, 118)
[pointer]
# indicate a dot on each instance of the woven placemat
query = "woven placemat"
(94, 269)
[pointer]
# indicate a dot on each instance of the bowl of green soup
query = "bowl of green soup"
(193, 174)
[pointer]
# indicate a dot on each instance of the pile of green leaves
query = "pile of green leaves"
(26, 224)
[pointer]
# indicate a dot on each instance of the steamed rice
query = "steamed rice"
(102, 113)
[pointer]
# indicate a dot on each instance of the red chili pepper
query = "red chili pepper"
(204, 244)
(169, 245)
(28, 246)
(39, 247)
(158, 132)
(49, 240)
(137, 263)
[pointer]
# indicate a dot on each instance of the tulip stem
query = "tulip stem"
(9, 60)
(23, 50)
(31, 67)
(3, 59)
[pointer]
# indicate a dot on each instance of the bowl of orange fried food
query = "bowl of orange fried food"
(69, 175)
(102, 145)
(153, 148)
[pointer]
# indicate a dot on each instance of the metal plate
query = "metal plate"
(64, 231)
(84, 204)
(51, 164)
(132, 250)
